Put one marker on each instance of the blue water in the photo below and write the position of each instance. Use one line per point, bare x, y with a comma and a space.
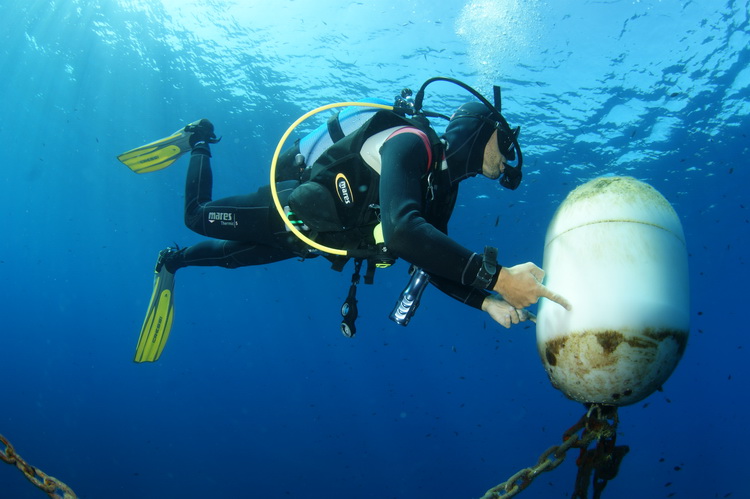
257, 393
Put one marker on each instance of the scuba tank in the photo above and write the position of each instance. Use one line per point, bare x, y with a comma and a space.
339, 125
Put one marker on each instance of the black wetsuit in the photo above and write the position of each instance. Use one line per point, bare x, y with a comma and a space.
249, 230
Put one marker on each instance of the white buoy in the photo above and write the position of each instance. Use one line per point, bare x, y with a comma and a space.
616, 250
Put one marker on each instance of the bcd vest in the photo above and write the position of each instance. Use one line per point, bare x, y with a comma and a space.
338, 197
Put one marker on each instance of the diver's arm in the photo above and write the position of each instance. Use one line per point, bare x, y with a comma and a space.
454, 269
465, 294
407, 234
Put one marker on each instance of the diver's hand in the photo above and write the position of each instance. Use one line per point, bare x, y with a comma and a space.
504, 313
521, 286
202, 131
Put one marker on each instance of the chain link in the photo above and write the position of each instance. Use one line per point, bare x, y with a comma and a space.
52, 486
594, 426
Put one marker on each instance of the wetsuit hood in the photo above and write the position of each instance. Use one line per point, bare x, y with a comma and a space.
466, 137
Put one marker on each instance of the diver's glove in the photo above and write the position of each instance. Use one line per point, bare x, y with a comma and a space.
201, 131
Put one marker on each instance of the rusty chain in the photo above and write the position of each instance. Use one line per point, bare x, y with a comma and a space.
52, 486
595, 425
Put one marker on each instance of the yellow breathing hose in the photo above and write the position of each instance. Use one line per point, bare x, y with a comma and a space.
274, 161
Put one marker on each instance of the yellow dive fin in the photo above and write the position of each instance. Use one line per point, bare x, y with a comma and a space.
158, 322
159, 154
163, 152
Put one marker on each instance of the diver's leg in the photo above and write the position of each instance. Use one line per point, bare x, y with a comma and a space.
248, 218
227, 254
249, 227
198, 184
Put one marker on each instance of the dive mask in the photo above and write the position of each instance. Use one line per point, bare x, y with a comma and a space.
507, 143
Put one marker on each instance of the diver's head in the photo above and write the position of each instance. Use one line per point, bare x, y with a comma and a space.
468, 147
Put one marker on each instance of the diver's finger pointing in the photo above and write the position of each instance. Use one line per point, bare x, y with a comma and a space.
549, 294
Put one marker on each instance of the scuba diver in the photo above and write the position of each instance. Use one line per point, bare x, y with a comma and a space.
371, 184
